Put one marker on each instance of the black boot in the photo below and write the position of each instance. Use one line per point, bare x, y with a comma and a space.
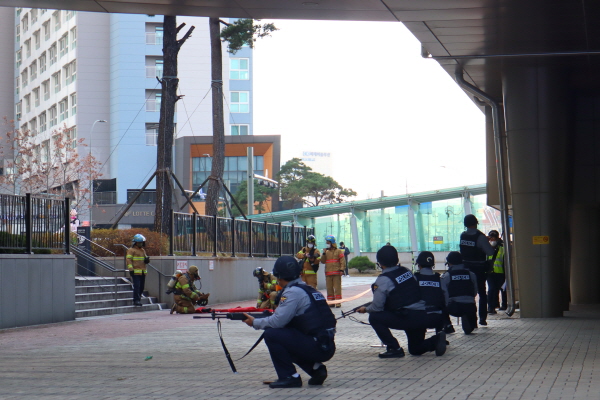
392, 353
289, 382
318, 376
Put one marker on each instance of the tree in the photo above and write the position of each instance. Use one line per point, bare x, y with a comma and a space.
236, 34
262, 194
300, 184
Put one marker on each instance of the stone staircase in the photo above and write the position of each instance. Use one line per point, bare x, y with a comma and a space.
95, 296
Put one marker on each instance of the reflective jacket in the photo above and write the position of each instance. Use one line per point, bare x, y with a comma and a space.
334, 261
431, 289
135, 260
406, 289
498, 259
310, 256
185, 288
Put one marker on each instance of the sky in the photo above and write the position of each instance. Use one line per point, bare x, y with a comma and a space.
392, 120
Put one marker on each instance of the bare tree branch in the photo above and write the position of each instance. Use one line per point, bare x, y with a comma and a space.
180, 27
181, 41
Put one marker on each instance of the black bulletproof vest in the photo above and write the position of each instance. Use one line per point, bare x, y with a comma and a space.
405, 292
431, 290
469, 249
460, 283
317, 318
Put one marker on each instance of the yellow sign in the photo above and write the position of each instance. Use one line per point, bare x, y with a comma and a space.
541, 239
438, 240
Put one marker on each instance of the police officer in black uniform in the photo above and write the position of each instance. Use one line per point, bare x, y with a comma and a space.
300, 331
397, 304
431, 290
475, 249
460, 287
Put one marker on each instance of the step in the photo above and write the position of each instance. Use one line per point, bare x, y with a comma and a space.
121, 287
119, 310
106, 303
97, 280
107, 295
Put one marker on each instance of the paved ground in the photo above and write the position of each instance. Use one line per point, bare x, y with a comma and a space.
104, 358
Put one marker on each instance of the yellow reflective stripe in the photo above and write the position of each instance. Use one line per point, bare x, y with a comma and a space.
194, 295
309, 272
129, 256
187, 285
138, 271
138, 258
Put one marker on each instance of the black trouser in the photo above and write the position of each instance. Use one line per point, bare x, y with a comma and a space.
138, 286
289, 346
413, 323
495, 282
464, 310
480, 272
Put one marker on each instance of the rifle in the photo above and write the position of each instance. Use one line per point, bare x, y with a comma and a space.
354, 310
236, 316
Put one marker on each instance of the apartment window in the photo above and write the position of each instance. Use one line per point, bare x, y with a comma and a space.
42, 62
19, 58
73, 38
56, 20
53, 119
27, 103
69, 15
33, 126
24, 127
24, 77
25, 23
34, 15
43, 10
72, 137
17, 84
18, 110
63, 109
28, 48
36, 39
46, 28
56, 82
46, 89
33, 70
42, 120
73, 104
70, 72
63, 45
236, 169
19, 10
238, 69
36, 96
240, 130
151, 134
53, 53
18, 29
153, 101
45, 154
239, 102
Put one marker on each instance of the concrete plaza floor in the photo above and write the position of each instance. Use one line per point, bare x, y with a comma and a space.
105, 358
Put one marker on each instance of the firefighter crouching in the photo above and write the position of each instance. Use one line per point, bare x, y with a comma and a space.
186, 294
267, 289
310, 258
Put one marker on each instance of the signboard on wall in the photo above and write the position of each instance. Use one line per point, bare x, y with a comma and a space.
438, 240
181, 265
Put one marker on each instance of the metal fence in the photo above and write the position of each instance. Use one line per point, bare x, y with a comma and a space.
202, 235
30, 223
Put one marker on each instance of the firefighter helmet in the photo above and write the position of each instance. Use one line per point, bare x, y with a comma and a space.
258, 272
311, 239
193, 270
138, 238
330, 238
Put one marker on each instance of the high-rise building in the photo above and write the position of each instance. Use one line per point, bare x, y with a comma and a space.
96, 74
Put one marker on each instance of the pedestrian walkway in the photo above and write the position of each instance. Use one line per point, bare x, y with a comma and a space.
109, 358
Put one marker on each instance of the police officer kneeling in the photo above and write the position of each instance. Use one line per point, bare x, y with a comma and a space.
300, 331
397, 304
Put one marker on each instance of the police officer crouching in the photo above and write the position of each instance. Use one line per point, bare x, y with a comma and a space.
300, 331
431, 289
460, 288
397, 304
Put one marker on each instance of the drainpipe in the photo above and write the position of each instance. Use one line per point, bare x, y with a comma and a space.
498, 144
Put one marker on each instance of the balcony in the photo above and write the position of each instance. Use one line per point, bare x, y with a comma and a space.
152, 72
152, 105
152, 38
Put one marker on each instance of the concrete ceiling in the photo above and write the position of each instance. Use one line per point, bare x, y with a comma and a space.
455, 28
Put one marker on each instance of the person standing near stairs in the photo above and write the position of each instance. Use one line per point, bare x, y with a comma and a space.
136, 264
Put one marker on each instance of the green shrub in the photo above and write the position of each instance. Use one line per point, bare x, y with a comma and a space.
361, 263
18, 241
156, 243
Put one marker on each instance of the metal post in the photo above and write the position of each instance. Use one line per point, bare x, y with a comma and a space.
215, 232
67, 231
280, 234
233, 236
250, 186
250, 238
28, 223
195, 229
305, 234
266, 241
172, 233
293, 240
116, 288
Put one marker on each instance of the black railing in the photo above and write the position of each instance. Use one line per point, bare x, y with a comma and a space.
218, 236
28, 223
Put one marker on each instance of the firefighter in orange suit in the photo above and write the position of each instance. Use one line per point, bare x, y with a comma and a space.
268, 289
335, 264
311, 257
136, 264
186, 295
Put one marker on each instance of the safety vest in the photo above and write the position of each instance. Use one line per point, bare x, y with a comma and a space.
498, 258
406, 289
431, 290
460, 283
318, 318
472, 255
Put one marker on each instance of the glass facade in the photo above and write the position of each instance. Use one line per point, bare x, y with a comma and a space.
442, 220
235, 170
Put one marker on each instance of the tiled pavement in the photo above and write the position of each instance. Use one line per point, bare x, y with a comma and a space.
104, 358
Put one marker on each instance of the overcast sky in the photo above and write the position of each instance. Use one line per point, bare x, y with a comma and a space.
361, 91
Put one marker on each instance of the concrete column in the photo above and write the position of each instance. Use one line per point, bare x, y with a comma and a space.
355, 237
536, 127
413, 227
585, 274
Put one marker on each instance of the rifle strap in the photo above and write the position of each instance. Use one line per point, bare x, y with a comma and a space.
227, 355
253, 346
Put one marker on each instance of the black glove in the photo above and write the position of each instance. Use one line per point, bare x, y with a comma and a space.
146, 260
131, 274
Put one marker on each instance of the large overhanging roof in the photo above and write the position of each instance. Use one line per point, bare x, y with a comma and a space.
371, 204
494, 31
